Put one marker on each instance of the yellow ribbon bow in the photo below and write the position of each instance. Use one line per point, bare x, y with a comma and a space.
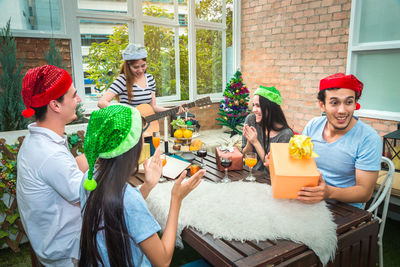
301, 147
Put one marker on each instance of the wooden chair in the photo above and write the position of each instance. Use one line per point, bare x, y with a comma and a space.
382, 196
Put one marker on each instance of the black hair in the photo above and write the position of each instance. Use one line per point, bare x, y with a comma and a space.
104, 211
322, 94
40, 112
272, 117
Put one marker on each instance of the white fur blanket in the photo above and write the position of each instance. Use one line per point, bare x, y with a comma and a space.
247, 211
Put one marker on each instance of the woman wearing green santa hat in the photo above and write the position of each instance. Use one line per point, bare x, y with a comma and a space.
117, 228
267, 124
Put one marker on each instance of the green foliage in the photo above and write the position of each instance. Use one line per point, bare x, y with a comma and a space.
75, 139
159, 42
53, 56
8, 182
234, 108
105, 59
11, 104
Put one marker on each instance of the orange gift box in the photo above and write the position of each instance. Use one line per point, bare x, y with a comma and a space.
237, 159
289, 175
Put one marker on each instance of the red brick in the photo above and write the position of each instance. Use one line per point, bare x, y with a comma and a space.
334, 9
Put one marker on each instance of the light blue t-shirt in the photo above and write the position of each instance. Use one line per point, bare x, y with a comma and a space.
139, 222
360, 148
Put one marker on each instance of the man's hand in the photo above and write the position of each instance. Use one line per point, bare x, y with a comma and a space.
152, 171
250, 133
311, 195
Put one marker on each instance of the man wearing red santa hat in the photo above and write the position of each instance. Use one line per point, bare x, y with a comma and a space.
349, 150
49, 176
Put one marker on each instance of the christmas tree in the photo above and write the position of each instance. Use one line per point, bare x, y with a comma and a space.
11, 75
234, 108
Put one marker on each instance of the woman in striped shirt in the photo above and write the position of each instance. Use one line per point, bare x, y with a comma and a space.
133, 86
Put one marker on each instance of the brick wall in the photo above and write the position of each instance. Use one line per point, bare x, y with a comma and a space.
292, 44
206, 116
32, 50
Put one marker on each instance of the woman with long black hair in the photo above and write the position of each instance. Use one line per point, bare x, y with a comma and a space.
267, 124
118, 229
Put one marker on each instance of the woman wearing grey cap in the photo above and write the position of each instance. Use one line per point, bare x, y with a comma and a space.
133, 86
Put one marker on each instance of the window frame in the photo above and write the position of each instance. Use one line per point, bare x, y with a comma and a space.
134, 18
355, 48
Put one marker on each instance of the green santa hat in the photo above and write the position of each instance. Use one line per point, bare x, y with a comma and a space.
270, 93
111, 132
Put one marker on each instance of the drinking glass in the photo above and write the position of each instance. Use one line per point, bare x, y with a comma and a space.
202, 153
163, 158
193, 169
226, 162
250, 159
156, 139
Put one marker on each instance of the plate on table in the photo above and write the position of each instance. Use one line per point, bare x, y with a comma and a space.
189, 156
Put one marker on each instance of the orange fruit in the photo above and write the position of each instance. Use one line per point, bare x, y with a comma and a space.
178, 133
187, 133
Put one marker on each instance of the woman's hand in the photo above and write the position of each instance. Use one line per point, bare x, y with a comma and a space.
250, 133
266, 160
152, 171
182, 109
182, 189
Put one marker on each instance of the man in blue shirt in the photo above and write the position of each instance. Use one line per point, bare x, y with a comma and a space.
349, 150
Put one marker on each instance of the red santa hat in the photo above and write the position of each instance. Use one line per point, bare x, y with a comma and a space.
341, 80
41, 85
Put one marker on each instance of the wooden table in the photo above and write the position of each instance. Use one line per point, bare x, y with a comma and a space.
357, 236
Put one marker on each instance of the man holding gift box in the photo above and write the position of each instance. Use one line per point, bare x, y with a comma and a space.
349, 150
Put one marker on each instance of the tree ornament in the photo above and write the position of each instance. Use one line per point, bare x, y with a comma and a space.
237, 91
241, 101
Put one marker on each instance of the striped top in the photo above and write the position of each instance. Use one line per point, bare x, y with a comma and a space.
141, 95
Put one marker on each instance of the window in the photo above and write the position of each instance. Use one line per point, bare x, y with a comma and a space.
374, 56
191, 49
42, 16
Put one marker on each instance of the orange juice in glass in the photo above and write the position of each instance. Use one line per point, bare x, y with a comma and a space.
250, 159
163, 159
156, 139
193, 169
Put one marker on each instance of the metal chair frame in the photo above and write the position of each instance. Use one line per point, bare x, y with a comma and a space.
382, 195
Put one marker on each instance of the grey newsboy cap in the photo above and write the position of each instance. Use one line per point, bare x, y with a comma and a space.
134, 52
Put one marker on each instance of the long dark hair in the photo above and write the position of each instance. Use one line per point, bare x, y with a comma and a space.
104, 211
271, 118
129, 76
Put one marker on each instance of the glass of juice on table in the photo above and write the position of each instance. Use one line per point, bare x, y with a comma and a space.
250, 159
163, 158
156, 139
226, 162
194, 168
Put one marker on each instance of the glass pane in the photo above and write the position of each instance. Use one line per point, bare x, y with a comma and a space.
229, 42
184, 63
38, 15
209, 10
380, 74
102, 44
159, 42
380, 21
183, 12
208, 61
104, 5
158, 8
